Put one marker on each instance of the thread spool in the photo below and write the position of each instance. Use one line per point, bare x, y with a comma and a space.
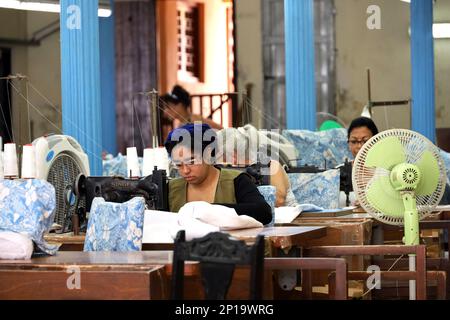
28, 162
155, 157
10, 168
133, 170
41, 149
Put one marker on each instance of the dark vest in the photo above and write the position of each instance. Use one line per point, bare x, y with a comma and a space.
224, 192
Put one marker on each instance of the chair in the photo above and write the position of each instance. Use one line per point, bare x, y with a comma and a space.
337, 264
218, 255
420, 275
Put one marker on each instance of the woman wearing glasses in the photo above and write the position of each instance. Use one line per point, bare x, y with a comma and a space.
359, 132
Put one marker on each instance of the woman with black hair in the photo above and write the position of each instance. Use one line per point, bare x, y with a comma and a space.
192, 149
177, 106
359, 132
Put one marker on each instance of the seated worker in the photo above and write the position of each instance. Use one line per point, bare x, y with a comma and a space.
359, 132
192, 149
235, 148
177, 106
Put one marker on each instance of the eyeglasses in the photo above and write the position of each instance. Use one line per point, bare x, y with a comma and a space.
356, 142
187, 162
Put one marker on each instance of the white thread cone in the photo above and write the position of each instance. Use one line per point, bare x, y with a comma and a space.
28, 162
41, 149
10, 167
155, 157
133, 170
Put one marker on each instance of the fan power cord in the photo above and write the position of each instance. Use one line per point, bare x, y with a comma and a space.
390, 268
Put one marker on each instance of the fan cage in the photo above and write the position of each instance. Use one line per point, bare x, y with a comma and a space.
414, 145
64, 169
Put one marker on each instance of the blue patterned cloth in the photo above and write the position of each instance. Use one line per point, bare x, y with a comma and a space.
28, 207
318, 148
269, 194
446, 157
320, 189
117, 166
115, 226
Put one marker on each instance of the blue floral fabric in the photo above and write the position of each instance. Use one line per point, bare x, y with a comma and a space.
320, 148
446, 157
320, 189
117, 166
115, 226
269, 194
28, 207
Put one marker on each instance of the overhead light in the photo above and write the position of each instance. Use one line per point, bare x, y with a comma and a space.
441, 30
42, 6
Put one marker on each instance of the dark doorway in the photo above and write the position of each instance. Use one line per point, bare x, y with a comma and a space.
5, 102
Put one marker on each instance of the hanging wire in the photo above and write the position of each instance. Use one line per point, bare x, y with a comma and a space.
10, 107
6, 125
133, 114
378, 281
88, 137
54, 125
28, 112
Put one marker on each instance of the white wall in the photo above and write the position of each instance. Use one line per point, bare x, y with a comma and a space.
387, 53
44, 71
442, 67
13, 25
249, 53
42, 66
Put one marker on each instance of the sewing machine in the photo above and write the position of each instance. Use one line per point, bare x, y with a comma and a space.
259, 177
153, 188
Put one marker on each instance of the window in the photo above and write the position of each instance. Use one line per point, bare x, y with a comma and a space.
188, 30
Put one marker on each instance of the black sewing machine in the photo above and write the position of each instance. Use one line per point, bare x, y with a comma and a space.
153, 188
259, 177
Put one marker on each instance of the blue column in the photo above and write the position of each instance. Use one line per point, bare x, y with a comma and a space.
80, 77
108, 82
422, 65
300, 80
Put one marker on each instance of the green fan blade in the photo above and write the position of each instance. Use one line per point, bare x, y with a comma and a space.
386, 153
382, 196
429, 168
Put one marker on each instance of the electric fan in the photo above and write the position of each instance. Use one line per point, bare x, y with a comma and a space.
59, 160
399, 178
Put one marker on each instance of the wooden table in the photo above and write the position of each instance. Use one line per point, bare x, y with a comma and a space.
88, 275
109, 275
280, 237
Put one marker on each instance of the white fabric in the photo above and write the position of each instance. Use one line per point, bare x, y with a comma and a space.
15, 246
288, 214
197, 218
220, 216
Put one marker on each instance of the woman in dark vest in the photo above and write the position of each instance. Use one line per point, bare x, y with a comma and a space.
192, 149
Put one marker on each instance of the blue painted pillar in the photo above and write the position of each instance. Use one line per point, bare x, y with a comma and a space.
422, 65
80, 77
108, 82
300, 80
